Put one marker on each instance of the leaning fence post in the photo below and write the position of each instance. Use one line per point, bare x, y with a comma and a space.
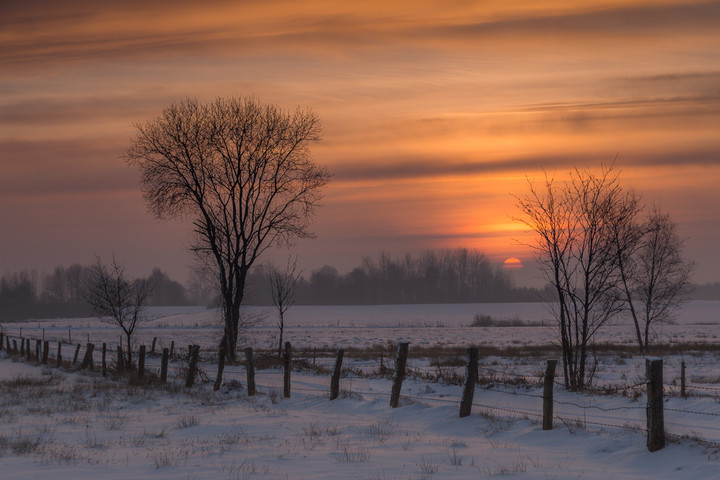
682, 380
655, 415
87, 359
548, 395
335, 379
287, 360
45, 351
221, 367
77, 352
399, 373
152, 349
172, 349
141, 361
164, 365
250, 369
471, 373
192, 365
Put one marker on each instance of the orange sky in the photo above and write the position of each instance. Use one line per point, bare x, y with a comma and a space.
434, 113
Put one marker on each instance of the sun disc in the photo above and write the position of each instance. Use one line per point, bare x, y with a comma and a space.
512, 263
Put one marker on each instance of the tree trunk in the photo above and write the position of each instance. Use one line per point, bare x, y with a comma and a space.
282, 324
129, 352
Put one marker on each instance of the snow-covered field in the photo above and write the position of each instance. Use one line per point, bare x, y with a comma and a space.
63, 424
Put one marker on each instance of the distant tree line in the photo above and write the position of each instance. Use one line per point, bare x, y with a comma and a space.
435, 276
27, 295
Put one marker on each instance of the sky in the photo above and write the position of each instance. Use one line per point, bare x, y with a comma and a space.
435, 116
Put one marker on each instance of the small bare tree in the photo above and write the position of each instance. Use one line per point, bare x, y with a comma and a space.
117, 300
282, 288
658, 275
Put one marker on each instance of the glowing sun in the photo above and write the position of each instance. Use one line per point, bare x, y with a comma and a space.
512, 263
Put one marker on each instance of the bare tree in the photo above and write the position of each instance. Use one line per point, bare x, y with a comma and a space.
282, 288
658, 275
242, 171
576, 224
116, 299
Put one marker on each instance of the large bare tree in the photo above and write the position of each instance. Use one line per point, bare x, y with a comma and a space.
242, 171
576, 222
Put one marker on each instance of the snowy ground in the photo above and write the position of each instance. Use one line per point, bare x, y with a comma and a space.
62, 424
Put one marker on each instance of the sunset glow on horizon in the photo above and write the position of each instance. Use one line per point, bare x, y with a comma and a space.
435, 116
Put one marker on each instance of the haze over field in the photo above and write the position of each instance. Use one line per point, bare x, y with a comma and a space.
434, 113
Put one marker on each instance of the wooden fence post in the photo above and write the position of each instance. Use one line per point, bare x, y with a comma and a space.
250, 369
104, 359
22, 346
655, 415
87, 359
141, 362
2, 339
548, 395
682, 380
28, 355
399, 373
192, 365
287, 360
471, 373
152, 349
77, 352
120, 359
45, 351
164, 365
59, 354
221, 367
172, 349
335, 379
15, 350
37, 349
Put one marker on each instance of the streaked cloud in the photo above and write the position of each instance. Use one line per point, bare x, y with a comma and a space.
433, 112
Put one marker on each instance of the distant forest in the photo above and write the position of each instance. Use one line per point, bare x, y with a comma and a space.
61, 294
436, 276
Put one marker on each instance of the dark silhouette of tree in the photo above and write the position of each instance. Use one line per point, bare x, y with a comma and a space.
118, 300
242, 171
658, 277
577, 222
282, 290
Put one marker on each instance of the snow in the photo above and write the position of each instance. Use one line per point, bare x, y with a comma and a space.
66, 424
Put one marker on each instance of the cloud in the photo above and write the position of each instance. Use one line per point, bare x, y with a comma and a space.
398, 169
76, 31
36, 169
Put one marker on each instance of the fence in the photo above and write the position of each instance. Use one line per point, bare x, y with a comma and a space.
544, 411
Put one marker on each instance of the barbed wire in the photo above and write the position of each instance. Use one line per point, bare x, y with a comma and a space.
518, 411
